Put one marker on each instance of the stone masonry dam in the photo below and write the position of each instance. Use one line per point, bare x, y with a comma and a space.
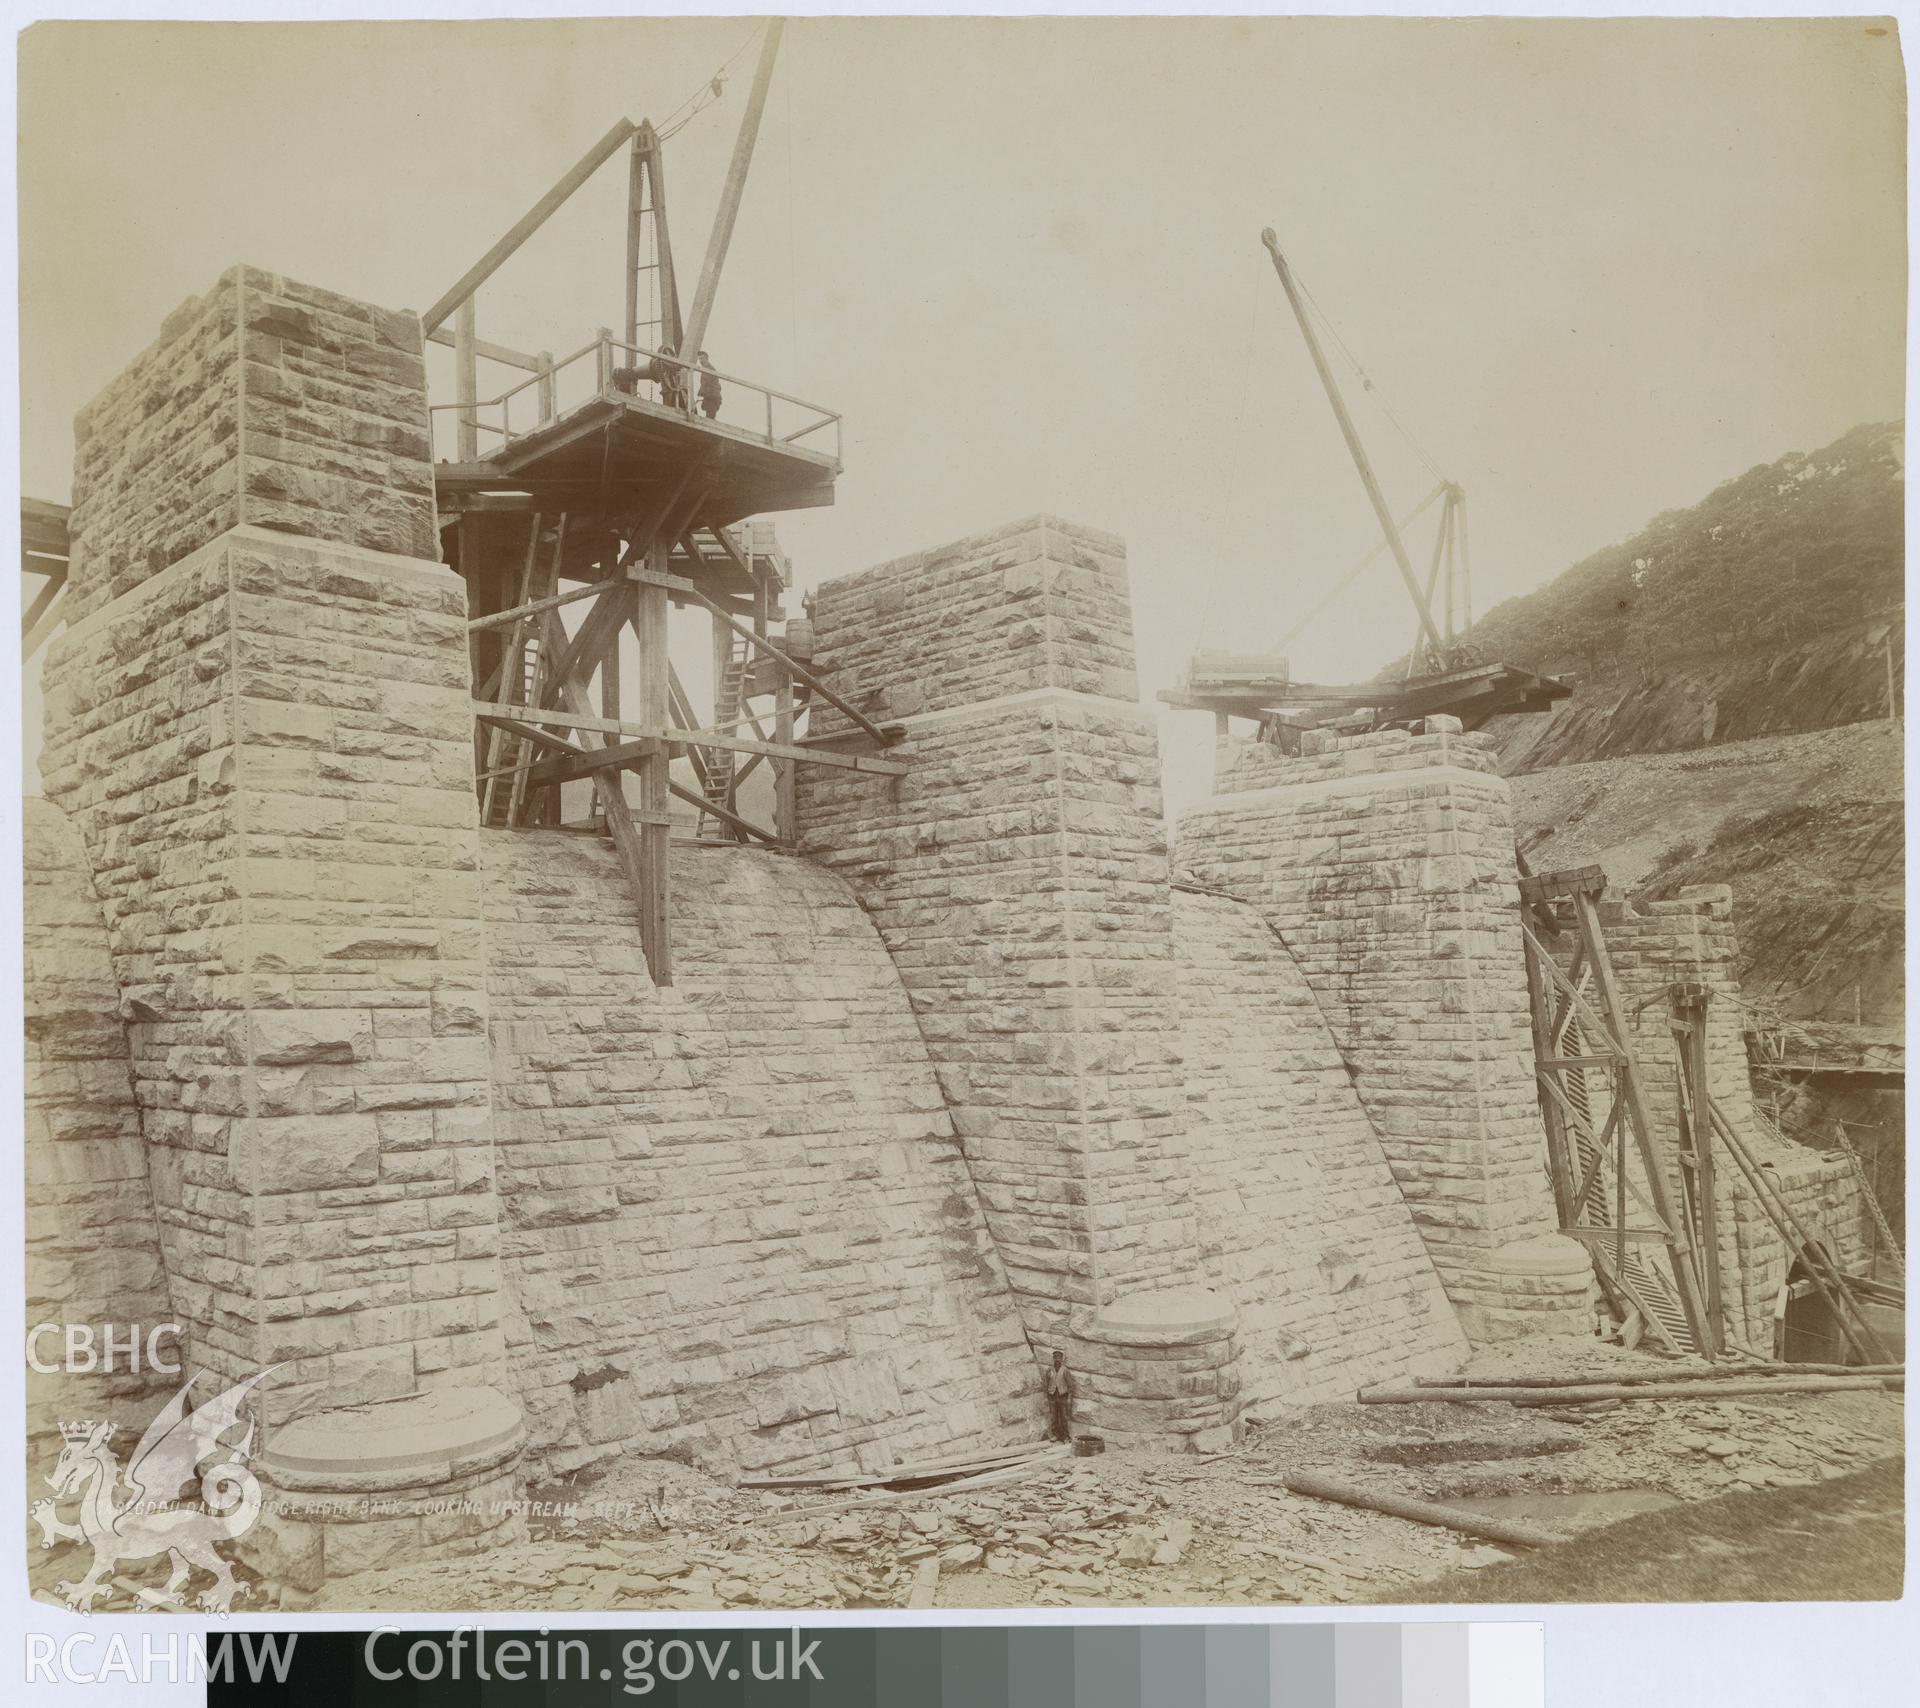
386, 1104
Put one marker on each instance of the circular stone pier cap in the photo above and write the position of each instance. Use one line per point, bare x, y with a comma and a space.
1543, 1254
1162, 1316
406, 1440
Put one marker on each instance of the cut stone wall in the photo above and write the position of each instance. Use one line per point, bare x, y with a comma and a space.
1302, 1225
737, 1220
1188, 1196
1037, 604
266, 402
1385, 863
1019, 877
93, 1249
136, 713
858, 1289
265, 745
266, 750
398, 1110
1030, 922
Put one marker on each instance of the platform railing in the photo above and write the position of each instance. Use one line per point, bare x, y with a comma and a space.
608, 368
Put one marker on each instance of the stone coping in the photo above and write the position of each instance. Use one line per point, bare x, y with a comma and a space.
977, 544
1349, 783
402, 1442
419, 570
1540, 1254
1161, 1316
913, 721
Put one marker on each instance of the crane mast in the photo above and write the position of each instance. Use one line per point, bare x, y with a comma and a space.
1439, 678
1435, 643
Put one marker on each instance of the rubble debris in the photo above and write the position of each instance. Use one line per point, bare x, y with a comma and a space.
985, 1479
1075, 1532
925, 1581
954, 1466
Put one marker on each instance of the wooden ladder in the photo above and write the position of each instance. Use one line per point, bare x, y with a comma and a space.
1649, 1290
520, 683
718, 774
1889, 1244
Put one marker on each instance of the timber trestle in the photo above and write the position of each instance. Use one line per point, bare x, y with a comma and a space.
1651, 1218
594, 496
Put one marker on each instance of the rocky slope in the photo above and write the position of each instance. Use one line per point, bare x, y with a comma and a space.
1772, 605
1806, 828
1670, 704
1735, 666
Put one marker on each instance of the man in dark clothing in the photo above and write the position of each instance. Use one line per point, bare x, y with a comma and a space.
1059, 1387
672, 381
709, 387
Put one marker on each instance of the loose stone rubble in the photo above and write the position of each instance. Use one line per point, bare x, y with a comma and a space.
1142, 1529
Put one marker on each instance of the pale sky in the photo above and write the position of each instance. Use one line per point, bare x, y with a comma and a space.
1596, 268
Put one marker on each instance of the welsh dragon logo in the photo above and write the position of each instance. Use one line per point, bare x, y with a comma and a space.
153, 1518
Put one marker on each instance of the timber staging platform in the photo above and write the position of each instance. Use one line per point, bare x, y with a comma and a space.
1262, 689
620, 444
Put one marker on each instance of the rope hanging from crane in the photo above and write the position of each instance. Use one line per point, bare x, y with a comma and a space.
1441, 677
709, 92
1431, 648
1347, 580
1366, 381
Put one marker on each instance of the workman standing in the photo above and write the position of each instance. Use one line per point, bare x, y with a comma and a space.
1059, 1386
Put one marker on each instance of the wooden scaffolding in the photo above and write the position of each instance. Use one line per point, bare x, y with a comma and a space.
1650, 1214
592, 496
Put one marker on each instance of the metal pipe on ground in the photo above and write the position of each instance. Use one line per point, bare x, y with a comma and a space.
1623, 1391
1422, 1511
1638, 1378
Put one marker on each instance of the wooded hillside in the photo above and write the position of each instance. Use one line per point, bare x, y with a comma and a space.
1808, 543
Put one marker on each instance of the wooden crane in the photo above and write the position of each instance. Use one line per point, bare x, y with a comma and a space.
637, 493
1438, 647
1439, 676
